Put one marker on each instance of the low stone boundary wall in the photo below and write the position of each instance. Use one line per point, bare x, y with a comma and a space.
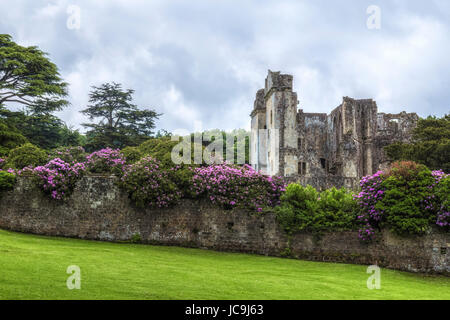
99, 210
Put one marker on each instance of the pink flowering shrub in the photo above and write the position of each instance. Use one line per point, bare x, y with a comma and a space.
235, 186
148, 184
441, 189
58, 178
407, 200
369, 217
105, 161
69, 154
2, 163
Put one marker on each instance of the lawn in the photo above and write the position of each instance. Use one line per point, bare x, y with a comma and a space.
34, 267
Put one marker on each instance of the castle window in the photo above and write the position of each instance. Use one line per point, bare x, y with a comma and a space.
323, 162
299, 143
301, 168
271, 117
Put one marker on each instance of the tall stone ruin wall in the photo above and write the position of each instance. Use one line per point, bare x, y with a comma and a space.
319, 148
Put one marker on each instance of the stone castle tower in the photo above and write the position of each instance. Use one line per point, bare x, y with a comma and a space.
320, 149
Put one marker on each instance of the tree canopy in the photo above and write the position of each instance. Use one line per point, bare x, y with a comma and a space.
430, 146
29, 78
118, 122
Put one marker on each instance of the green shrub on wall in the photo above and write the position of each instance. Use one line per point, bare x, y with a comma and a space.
305, 209
402, 204
131, 154
69, 154
7, 181
408, 199
26, 155
149, 185
442, 192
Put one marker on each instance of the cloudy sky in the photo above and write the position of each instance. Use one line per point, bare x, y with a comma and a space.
200, 62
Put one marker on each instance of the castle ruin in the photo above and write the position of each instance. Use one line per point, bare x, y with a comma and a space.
320, 149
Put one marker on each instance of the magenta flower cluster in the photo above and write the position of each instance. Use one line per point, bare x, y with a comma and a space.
235, 186
70, 154
57, 178
105, 160
149, 185
443, 214
369, 217
3, 163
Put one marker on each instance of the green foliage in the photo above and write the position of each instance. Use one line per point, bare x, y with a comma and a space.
406, 187
7, 180
239, 139
305, 209
183, 175
69, 154
442, 193
147, 184
43, 130
431, 144
10, 138
119, 122
136, 238
337, 210
161, 149
29, 78
132, 154
26, 155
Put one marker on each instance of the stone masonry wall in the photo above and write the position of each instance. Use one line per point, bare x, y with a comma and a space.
98, 210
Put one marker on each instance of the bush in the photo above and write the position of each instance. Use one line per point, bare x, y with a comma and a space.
298, 206
105, 161
2, 163
162, 148
407, 200
58, 178
404, 203
69, 154
370, 216
148, 184
235, 186
305, 209
10, 138
7, 181
442, 192
183, 176
131, 154
25, 156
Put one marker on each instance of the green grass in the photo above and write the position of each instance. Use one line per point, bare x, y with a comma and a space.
34, 267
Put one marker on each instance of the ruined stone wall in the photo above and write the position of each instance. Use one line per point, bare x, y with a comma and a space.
98, 210
258, 142
319, 149
392, 128
314, 141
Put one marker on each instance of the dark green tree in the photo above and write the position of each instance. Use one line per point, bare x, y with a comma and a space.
119, 122
29, 78
430, 145
10, 138
43, 130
